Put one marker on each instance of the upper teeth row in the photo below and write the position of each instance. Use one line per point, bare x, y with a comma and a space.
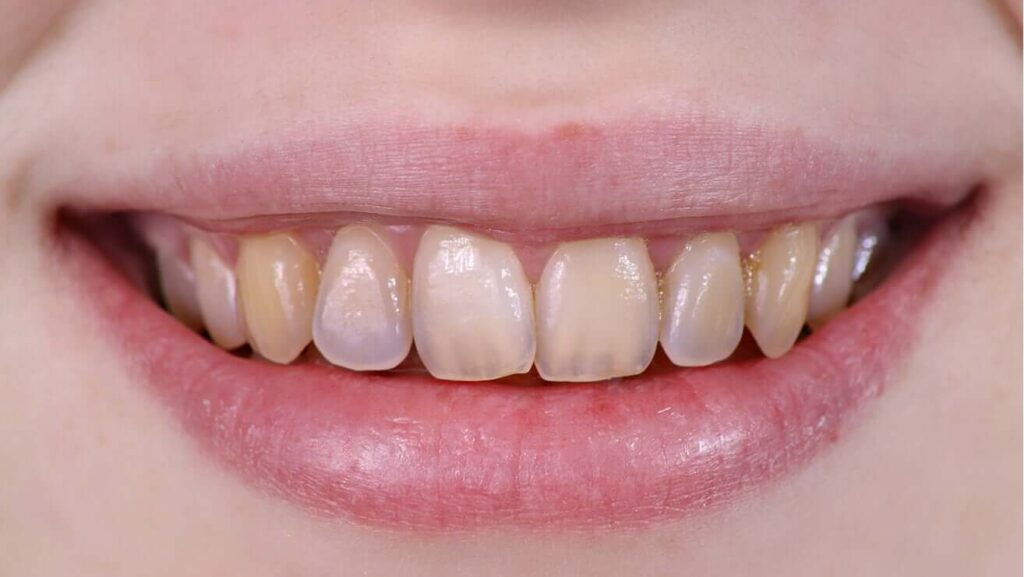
598, 311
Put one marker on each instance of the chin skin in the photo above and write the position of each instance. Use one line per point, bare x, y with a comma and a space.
98, 479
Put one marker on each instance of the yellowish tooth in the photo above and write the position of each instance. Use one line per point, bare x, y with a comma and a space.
362, 319
779, 276
702, 319
178, 285
472, 307
217, 293
833, 273
277, 281
597, 311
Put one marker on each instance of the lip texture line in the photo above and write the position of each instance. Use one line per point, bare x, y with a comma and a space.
410, 452
688, 173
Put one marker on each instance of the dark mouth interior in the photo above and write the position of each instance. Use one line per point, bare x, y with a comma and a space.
116, 238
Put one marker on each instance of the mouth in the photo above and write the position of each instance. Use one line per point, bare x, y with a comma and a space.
449, 329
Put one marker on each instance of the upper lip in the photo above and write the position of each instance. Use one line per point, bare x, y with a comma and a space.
647, 177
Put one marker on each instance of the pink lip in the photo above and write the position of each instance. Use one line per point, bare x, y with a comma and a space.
647, 177
408, 452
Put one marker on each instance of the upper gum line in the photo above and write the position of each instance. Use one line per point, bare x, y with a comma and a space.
402, 242
404, 239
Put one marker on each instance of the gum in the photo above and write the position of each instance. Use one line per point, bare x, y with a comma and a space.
164, 232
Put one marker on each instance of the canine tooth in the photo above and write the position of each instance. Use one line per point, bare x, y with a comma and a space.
597, 311
178, 285
472, 307
217, 293
277, 282
779, 276
362, 309
833, 273
702, 320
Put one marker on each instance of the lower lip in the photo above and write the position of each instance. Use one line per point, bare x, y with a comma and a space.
414, 453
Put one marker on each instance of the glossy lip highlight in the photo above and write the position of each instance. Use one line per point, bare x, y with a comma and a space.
414, 453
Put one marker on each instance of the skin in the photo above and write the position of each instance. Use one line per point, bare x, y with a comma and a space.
95, 477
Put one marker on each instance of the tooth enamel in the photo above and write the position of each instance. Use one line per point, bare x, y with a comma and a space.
178, 285
362, 310
472, 307
217, 294
872, 236
597, 311
277, 282
779, 276
833, 273
703, 304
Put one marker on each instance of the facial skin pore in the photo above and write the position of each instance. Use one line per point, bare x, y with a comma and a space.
96, 477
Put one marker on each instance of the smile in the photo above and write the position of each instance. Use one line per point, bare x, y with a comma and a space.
447, 329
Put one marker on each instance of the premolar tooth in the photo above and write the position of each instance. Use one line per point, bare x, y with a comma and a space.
178, 285
597, 311
779, 276
833, 273
472, 307
277, 281
872, 235
702, 320
362, 310
217, 293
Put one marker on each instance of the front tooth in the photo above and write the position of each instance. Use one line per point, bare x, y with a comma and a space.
178, 285
362, 310
779, 276
277, 281
597, 311
217, 293
472, 307
833, 273
703, 302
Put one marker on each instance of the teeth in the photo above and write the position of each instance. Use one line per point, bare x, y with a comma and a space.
872, 237
833, 274
178, 285
277, 280
472, 307
779, 276
703, 302
597, 311
362, 310
217, 295
595, 314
